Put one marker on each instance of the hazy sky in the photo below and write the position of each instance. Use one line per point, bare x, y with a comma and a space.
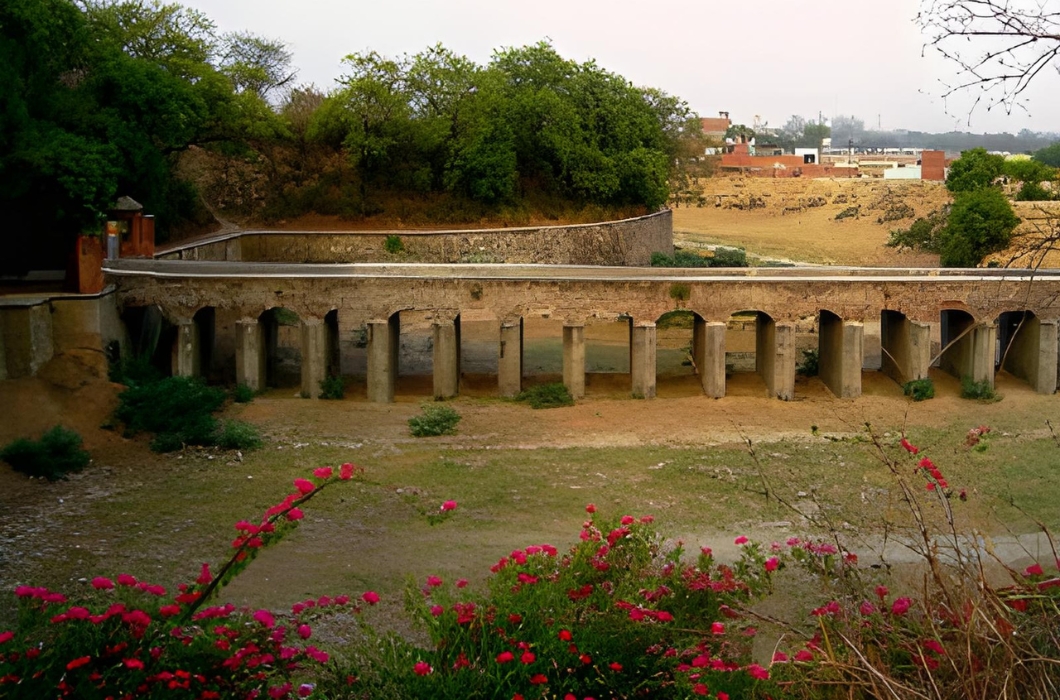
771, 58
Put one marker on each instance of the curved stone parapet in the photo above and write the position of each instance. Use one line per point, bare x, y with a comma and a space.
629, 242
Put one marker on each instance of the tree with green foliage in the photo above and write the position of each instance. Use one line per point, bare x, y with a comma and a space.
974, 170
1050, 155
981, 222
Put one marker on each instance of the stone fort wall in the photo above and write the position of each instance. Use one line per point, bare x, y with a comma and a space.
629, 242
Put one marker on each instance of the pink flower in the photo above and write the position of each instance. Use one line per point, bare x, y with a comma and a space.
305, 631
538, 679
505, 656
627, 519
265, 618
304, 486
772, 563
867, 608
590, 509
371, 597
723, 695
909, 447
758, 672
461, 583
528, 657
6, 637
305, 690
346, 471
742, 539
881, 592
295, 514
434, 581
717, 628
323, 472
448, 505
804, 655
422, 668
169, 610
101, 583
134, 664
699, 689
1033, 570
437, 610
126, 580
780, 657
901, 606
205, 577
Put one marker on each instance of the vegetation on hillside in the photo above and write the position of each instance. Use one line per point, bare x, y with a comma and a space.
101, 98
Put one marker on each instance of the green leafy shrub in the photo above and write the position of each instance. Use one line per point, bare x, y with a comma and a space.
332, 388
238, 435
978, 391
242, 393
547, 396
56, 454
919, 389
393, 244
1033, 192
811, 363
437, 419
720, 257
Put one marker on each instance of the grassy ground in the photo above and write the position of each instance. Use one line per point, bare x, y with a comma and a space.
520, 477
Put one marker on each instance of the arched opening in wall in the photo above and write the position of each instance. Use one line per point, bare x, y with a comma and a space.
282, 345
205, 323
150, 337
542, 350
415, 358
956, 353
333, 356
905, 349
607, 356
742, 373
832, 363
676, 373
479, 341
1018, 353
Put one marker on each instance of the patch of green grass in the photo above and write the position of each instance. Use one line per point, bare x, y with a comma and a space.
333, 388
238, 435
919, 389
243, 394
547, 396
978, 391
57, 453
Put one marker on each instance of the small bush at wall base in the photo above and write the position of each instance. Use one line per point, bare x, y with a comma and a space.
56, 454
919, 389
811, 363
242, 394
547, 396
979, 391
332, 388
393, 245
437, 419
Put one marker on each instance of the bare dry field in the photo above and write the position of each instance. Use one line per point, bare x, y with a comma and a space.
795, 219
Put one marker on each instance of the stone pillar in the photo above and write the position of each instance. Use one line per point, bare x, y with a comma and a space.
510, 359
574, 360
383, 340
250, 353
775, 356
1031, 354
708, 339
27, 339
186, 352
642, 360
984, 353
906, 347
314, 356
840, 353
973, 354
446, 358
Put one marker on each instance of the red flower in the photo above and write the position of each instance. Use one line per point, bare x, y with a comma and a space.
909, 447
515, 618
371, 597
804, 655
461, 583
627, 519
758, 672
615, 666
6, 637
126, 580
663, 616
295, 514
434, 581
101, 583
346, 471
422, 668
1033, 570
742, 539
590, 509
528, 657
134, 664
901, 606
265, 618
717, 628
448, 505
437, 610
564, 635
169, 610
699, 689
304, 486
772, 563
204, 577
881, 592
538, 679
78, 663
505, 656
323, 472
586, 659
779, 657
723, 695
305, 631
